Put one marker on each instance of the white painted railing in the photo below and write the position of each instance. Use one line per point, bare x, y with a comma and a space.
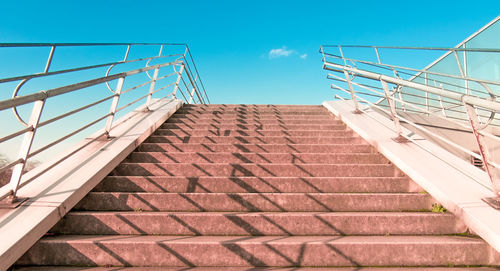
182, 80
468, 102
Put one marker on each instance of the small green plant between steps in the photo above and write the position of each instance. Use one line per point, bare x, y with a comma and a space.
438, 208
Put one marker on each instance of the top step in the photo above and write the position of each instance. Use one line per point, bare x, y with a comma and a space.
254, 112
250, 106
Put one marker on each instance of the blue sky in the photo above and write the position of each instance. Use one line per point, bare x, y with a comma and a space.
231, 40
262, 52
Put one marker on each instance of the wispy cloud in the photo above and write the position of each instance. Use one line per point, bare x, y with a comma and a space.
280, 52
304, 56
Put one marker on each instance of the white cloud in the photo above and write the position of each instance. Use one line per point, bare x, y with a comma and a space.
304, 56
280, 52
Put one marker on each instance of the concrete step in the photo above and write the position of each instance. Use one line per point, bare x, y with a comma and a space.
318, 251
255, 140
413, 268
258, 108
256, 113
255, 202
256, 184
258, 223
258, 170
252, 117
255, 148
251, 106
287, 133
253, 121
236, 157
296, 109
272, 127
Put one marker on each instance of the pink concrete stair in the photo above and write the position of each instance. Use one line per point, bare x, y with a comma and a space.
238, 187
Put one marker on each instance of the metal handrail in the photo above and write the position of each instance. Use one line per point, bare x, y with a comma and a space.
461, 107
184, 60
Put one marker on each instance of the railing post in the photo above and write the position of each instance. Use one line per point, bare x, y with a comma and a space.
392, 107
179, 76
493, 172
353, 95
24, 151
114, 104
152, 87
191, 95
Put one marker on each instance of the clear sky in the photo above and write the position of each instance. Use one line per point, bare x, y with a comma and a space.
232, 40
246, 51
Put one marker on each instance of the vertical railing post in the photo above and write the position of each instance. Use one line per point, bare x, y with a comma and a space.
353, 95
151, 88
493, 172
49, 59
17, 171
114, 104
394, 116
427, 105
179, 77
191, 95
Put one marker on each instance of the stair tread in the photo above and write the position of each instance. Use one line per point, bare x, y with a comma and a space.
309, 239
235, 268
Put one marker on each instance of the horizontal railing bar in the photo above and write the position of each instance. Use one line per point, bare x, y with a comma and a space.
142, 97
489, 50
434, 90
41, 124
9, 165
182, 93
136, 87
83, 44
423, 110
194, 83
345, 81
38, 75
420, 128
54, 164
67, 136
131, 103
198, 74
18, 133
383, 96
16, 101
389, 67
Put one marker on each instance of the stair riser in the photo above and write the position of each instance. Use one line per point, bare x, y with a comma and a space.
260, 133
164, 253
246, 117
253, 121
256, 224
256, 140
254, 148
258, 170
270, 127
215, 202
255, 185
65, 268
251, 106
255, 112
279, 158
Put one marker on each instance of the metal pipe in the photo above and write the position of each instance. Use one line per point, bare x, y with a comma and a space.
17, 171
49, 60
114, 104
17, 101
445, 93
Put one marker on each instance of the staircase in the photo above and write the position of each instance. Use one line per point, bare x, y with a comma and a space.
256, 185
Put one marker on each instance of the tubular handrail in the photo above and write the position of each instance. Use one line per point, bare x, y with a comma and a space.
38, 99
460, 105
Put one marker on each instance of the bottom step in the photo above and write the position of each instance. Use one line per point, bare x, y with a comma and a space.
267, 251
253, 269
